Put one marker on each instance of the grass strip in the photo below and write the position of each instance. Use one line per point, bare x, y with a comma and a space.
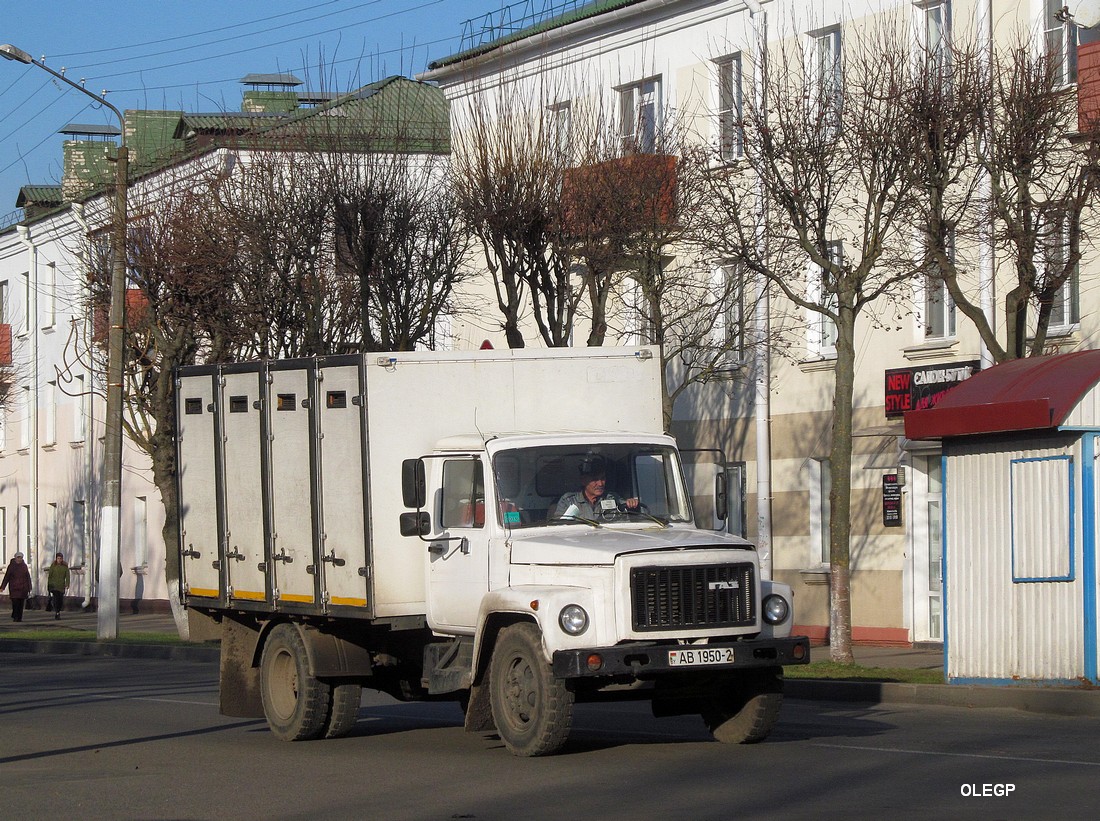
854, 672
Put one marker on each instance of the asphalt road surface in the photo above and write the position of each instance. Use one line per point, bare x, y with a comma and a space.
98, 737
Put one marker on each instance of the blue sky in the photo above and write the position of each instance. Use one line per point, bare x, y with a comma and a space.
168, 54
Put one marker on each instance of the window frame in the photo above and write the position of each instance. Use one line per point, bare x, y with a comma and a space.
634, 99
730, 105
821, 329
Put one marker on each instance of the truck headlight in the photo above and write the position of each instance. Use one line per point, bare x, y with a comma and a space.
776, 609
573, 619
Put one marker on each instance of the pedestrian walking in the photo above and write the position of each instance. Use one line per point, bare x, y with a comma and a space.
57, 582
17, 578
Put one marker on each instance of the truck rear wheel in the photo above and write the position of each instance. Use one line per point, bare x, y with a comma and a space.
296, 704
532, 710
745, 711
345, 710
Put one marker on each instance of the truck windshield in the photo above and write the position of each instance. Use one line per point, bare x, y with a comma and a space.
598, 484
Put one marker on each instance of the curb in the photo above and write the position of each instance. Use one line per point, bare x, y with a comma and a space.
1063, 701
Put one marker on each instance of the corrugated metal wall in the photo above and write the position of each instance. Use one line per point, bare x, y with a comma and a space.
1004, 499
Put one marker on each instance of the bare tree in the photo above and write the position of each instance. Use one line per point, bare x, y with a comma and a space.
828, 152
1002, 162
510, 163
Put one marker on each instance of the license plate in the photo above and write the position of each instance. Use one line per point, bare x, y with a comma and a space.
700, 656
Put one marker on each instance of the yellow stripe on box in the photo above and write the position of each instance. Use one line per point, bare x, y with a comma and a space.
295, 597
203, 592
250, 595
349, 602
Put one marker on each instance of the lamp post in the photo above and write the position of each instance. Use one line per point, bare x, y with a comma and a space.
109, 518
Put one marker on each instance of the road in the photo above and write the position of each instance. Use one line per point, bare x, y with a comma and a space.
97, 737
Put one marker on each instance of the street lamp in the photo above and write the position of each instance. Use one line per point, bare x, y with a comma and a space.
110, 518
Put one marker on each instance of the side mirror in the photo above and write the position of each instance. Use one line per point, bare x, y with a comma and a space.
721, 497
416, 524
413, 485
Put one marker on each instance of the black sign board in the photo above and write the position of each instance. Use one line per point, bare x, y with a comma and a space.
919, 388
891, 500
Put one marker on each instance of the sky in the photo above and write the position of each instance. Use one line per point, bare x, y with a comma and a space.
192, 54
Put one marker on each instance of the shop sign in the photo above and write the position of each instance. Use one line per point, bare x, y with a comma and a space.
920, 388
891, 500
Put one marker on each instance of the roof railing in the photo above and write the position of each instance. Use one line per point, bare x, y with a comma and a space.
507, 20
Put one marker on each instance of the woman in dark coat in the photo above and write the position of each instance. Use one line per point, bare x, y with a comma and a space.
18, 581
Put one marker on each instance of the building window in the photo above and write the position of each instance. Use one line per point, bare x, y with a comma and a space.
50, 528
640, 116
50, 285
26, 428
80, 409
3, 535
560, 122
822, 291
731, 141
828, 80
1061, 41
78, 557
141, 528
4, 301
939, 307
23, 543
1065, 309
820, 486
50, 422
729, 325
25, 284
936, 34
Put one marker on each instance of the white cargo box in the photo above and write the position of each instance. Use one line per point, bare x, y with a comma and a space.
290, 471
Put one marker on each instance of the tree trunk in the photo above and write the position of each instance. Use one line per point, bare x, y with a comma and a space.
840, 495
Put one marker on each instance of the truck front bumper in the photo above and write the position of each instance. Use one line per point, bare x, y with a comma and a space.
649, 659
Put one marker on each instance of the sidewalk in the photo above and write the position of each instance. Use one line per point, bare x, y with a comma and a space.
1051, 700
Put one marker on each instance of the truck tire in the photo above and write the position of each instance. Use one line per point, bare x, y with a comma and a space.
532, 710
345, 710
295, 703
746, 711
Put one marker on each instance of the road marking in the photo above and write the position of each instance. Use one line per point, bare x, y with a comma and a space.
960, 755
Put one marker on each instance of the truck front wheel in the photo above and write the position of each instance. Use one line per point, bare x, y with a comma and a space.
296, 704
532, 710
745, 711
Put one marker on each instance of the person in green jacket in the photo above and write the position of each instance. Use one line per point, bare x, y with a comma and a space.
57, 582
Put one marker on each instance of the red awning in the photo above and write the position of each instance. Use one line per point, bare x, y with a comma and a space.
1023, 394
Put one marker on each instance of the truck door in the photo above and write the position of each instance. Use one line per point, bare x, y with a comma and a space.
198, 486
242, 484
343, 457
458, 567
292, 555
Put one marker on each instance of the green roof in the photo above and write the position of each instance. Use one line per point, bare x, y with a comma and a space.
593, 9
42, 195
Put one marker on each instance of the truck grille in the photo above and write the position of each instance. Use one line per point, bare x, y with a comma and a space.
679, 598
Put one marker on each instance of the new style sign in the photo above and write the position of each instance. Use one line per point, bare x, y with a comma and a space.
919, 388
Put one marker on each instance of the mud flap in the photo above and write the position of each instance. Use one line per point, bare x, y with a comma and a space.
239, 680
479, 712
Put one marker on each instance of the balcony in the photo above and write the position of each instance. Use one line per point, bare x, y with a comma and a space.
1088, 87
137, 304
630, 194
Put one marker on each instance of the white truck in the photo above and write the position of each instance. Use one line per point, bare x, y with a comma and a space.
393, 521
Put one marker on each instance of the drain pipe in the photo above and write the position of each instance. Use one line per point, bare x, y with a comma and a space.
33, 557
986, 295
762, 322
90, 574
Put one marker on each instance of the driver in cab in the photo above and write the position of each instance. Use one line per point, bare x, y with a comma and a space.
593, 500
